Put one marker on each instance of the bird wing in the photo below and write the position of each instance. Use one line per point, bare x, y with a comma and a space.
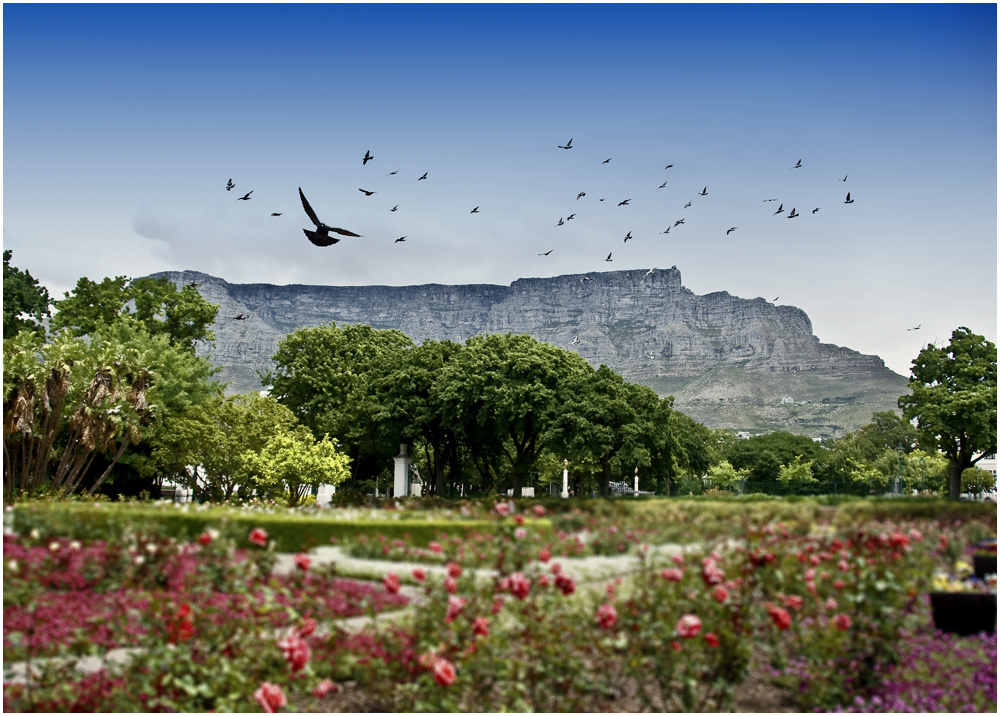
343, 232
309, 210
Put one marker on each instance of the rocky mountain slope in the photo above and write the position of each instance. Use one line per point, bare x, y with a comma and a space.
729, 362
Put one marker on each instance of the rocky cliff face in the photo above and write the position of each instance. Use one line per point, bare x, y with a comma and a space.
729, 362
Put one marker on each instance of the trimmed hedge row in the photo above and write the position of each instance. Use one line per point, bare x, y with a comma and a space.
290, 532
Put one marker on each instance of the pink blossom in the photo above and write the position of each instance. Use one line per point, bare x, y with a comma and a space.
720, 594
672, 574
677, 559
302, 561
481, 626
831, 604
391, 582
444, 672
565, 584
324, 687
307, 627
842, 622
810, 575
607, 616
543, 580
270, 697
419, 574
450, 585
711, 639
454, 570
435, 547
544, 555
259, 537
296, 651
455, 607
838, 584
539, 511
711, 573
555, 568
688, 626
502, 509
520, 533
794, 602
779, 616
520, 585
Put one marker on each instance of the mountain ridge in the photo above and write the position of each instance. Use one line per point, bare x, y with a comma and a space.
745, 364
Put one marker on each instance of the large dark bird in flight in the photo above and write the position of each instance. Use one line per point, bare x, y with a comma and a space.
546, 253
731, 230
366, 192
229, 185
275, 213
321, 236
622, 203
401, 238
781, 208
368, 158
246, 197
704, 192
582, 193
628, 236
423, 177
798, 165
606, 160
849, 200
569, 144
475, 211
609, 257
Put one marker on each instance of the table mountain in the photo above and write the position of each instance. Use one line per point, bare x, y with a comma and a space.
745, 364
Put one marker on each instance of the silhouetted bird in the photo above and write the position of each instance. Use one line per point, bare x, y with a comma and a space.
667, 231
275, 213
609, 257
423, 177
366, 192
767, 200
622, 203
915, 328
368, 158
678, 222
798, 164
781, 208
192, 284
662, 185
391, 173
569, 144
475, 211
401, 238
561, 222
321, 237
845, 178
704, 192
792, 215
246, 197
606, 160
668, 166
546, 253
241, 317
571, 216
816, 209
687, 205
394, 208
775, 299
731, 230
627, 237
229, 185
582, 193
849, 200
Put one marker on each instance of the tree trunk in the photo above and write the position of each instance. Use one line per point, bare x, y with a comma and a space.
605, 475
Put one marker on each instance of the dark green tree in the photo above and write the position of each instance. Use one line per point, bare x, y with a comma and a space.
954, 401
25, 301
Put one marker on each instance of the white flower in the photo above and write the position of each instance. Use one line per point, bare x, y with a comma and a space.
139, 559
53, 546
151, 548
35, 534
13, 566
75, 544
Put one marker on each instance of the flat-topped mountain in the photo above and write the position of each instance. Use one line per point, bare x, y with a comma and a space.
730, 362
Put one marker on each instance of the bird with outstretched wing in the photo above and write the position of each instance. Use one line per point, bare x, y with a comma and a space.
321, 236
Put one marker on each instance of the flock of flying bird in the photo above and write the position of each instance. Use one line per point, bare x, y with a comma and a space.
322, 234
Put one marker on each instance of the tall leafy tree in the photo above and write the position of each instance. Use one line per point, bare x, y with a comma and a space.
502, 392
953, 398
292, 463
25, 301
178, 313
328, 375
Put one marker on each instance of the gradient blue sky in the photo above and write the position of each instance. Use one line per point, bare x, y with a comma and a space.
122, 124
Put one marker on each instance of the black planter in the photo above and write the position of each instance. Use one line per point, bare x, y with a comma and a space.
964, 613
984, 565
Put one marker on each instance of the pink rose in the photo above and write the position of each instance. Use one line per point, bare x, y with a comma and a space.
677, 559
259, 538
555, 568
520, 533
323, 688
720, 594
296, 651
270, 697
711, 573
539, 511
794, 602
454, 570
391, 582
435, 547
450, 585
842, 622
544, 555
444, 672
502, 509
779, 616
711, 639
565, 584
831, 604
455, 607
607, 616
543, 580
688, 626
520, 585
302, 561
419, 574
481, 626
307, 627
672, 574
497, 605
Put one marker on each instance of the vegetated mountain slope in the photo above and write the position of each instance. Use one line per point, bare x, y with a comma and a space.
730, 362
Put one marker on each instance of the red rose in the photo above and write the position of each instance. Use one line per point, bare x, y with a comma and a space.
520, 585
302, 561
720, 594
323, 688
481, 626
794, 602
711, 639
391, 582
454, 570
444, 672
419, 574
544, 555
450, 585
779, 616
672, 574
270, 697
307, 627
688, 626
259, 538
607, 616
296, 651
842, 622
455, 607
205, 539
565, 584
435, 547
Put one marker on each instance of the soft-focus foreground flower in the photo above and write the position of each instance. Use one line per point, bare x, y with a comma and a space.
607, 616
711, 639
779, 616
565, 584
324, 687
296, 651
391, 582
502, 509
444, 672
303, 561
455, 607
419, 574
688, 626
270, 697
182, 627
454, 570
842, 622
258, 537
481, 626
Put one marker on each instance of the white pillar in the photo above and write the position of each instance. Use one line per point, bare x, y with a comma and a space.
635, 490
401, 476
565, 492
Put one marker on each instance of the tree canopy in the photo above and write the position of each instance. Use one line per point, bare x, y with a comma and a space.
25, 301
953, 398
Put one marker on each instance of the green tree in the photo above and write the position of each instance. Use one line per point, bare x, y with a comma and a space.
954, 401
328, 376
25, 301
502, 393
179, 314
796, 473
724, 475
292, 463
886, 431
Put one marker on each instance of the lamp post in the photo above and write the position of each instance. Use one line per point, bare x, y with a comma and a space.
635, 490
565, 492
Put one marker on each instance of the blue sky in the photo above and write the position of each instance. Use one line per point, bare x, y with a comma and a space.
123, 123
